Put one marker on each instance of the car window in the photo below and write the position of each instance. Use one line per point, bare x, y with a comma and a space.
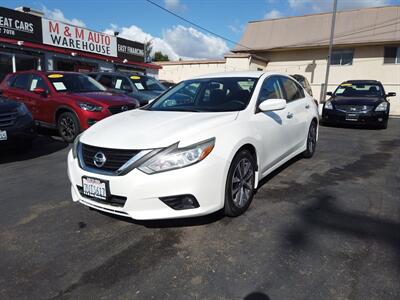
347, 89
38, 82
22, 81
207, 95
122, 83
271, 89
106, 80
291, 89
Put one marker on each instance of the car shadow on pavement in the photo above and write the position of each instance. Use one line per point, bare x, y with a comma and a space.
324, 213
42, 146
171, 223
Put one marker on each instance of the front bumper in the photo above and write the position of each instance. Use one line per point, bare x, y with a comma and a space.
204, 180
364, 118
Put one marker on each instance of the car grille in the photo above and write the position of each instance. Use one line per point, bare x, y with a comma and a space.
354, 108
112, 200
115, 158
121, 108
8, 119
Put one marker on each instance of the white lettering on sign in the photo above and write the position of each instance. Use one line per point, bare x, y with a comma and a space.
16, 24
69, 36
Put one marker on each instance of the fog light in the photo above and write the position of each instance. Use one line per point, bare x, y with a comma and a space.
380, 119
180, 202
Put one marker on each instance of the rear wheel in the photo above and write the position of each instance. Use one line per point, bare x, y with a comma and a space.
311, 140
68, 126
239, 189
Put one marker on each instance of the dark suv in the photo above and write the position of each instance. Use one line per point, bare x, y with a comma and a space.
17, 127
141, 87
68, 101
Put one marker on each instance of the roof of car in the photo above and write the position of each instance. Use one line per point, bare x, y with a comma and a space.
118, 73
367, 81
46, 72
251, 74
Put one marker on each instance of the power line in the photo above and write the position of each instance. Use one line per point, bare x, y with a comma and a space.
196, 25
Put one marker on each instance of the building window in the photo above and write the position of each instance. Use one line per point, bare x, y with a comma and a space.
392, 55
342, 57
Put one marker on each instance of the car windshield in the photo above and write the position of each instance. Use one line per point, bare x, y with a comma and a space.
144, 83
74, 83
359, 90
207, 95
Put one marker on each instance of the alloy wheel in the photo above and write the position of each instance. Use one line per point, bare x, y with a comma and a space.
312, 138
67, 127
242, 183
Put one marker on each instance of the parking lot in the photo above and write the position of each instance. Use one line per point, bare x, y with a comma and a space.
325, 228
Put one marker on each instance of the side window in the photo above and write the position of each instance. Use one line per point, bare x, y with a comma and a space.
22, 82
271, 89
292, 90
106, 80
38, 82
121, 83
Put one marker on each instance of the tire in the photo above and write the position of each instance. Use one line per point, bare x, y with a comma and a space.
311, 140
68, 126
239, 190
384, 125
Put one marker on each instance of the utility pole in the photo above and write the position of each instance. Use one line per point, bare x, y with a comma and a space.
330, 50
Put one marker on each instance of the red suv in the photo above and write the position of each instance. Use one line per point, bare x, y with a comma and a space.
70, 102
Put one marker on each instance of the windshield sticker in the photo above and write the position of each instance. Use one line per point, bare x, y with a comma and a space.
135, 77
33, 84
340, 90
139, 86
118, 83
55, 76
59, 86
346, 84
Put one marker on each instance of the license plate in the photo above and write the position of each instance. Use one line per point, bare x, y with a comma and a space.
351, 117
95, 188
3, 135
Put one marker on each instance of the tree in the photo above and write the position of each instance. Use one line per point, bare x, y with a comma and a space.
158, 56
148, 48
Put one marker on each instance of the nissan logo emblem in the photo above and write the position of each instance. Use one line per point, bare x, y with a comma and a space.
99, 159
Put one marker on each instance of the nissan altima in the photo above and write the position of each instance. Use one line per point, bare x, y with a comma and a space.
202, 146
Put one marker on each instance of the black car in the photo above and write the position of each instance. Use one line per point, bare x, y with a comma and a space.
17, 127
358, 102
141, 87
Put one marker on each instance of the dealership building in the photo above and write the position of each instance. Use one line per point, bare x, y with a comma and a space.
366, 46
30, 41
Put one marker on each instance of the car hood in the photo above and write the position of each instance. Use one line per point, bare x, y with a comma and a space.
105, 97
143, 129
356, 100
7, 105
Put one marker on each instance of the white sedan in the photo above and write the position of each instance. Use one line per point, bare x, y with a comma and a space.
202, 146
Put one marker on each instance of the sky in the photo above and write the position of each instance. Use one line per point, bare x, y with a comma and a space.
141, 21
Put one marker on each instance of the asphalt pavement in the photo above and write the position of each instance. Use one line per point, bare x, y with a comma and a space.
321, 228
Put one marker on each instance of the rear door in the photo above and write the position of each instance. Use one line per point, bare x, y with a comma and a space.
296, 113
18, 90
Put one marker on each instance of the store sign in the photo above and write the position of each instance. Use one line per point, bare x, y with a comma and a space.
63, 35
20, 26
130, 50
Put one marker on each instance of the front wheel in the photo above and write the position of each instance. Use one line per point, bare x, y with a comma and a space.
68, 126
311, 140
239, 190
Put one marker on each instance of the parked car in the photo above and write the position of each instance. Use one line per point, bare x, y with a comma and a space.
202, 146
70, 102
141, 87
167, 84
361, 102
17, 127
304, 82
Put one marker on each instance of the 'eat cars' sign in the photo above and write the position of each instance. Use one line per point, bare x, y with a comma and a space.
63, 35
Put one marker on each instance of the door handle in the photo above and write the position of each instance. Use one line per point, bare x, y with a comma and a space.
289, 115
307, 106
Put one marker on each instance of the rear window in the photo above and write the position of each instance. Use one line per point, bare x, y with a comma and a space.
21, 81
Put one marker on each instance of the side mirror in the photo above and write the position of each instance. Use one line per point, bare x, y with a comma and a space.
40, 91
329, 93
272, 104
391, 94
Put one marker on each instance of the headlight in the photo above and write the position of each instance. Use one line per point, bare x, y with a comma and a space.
174, 158
382, 107
75, 146
22, 110
89, 106
328, 105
